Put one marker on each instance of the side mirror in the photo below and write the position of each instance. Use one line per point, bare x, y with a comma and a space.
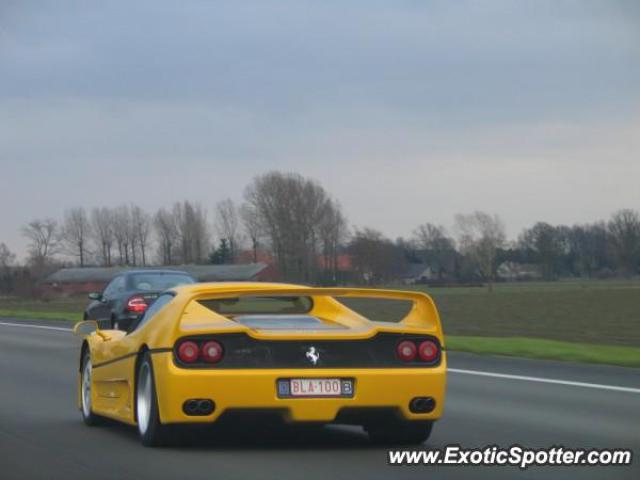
86, 327
95, 296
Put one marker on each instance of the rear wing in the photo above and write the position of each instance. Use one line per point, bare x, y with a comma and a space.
423, 313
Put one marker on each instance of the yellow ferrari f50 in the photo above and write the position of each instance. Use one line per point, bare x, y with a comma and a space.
206, 351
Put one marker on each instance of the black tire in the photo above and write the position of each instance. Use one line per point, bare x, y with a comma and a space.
115, 325
86, 389
399, 432
151, 431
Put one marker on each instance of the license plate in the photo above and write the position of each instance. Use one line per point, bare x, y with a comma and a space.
315, 387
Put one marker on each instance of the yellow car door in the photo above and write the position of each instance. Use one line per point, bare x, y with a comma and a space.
113, 359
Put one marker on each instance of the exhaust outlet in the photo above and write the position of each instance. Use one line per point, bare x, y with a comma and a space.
422, 405
205, 407
198, 407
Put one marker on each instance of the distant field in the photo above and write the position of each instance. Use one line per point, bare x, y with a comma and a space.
599, 312
603, 312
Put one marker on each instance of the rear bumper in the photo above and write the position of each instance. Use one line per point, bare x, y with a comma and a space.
389, 388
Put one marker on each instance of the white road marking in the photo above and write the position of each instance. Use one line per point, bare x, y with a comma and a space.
546, 380
42, 327
452, 370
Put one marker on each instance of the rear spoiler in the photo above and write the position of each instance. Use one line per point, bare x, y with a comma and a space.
423, 314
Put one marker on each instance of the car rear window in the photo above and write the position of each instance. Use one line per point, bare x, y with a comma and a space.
158, 281
285, 322
259, 305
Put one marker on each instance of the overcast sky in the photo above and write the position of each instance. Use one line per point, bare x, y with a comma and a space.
405, 111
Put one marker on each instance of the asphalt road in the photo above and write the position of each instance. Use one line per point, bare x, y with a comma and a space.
43, 437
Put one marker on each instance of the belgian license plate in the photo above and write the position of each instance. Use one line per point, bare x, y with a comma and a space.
315, 387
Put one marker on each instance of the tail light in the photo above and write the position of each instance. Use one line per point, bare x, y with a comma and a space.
407, 351
428, 351
136, 304
188, 352
211, 352
199, 352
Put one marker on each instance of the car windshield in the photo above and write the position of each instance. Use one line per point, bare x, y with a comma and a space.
158, 281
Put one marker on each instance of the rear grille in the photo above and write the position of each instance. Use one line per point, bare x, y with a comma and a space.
243, 351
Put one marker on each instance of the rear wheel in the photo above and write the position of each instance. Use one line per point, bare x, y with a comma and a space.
399, 432
151, 431
86, 387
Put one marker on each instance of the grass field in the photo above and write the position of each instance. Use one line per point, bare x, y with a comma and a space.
593, 321
596, 312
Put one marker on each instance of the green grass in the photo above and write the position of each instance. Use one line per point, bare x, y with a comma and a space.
59, 309
546, 349
40, 314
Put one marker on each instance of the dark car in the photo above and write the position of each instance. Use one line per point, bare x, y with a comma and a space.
129, 294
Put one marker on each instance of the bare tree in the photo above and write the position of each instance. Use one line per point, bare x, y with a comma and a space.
624, 233
480, 235
589, 248
6, 257
435, 248
376, 257
252, 227
548, 243
166, 228
333, 232
193, 231
76, 231
227, 224
141, 230
102, 220
7, 277
122, 233
132, 241
44, 241
290, 209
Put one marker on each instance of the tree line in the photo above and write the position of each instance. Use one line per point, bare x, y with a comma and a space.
291, 218
295, 222
476, 250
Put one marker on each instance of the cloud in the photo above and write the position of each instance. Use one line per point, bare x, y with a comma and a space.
406, 111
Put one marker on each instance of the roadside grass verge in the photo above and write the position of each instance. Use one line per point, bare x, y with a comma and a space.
40, 315
58, 309
546, 349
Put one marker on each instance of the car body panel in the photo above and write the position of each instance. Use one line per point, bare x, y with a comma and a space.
256, 389
114, 355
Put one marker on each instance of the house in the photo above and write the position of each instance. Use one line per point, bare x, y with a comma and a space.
513, 271
417, 273
71, 281
344, 263
269, 274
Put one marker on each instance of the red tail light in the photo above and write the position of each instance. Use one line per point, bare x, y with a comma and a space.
188, 352
407, 351
428, 351
212, 352
137, 304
